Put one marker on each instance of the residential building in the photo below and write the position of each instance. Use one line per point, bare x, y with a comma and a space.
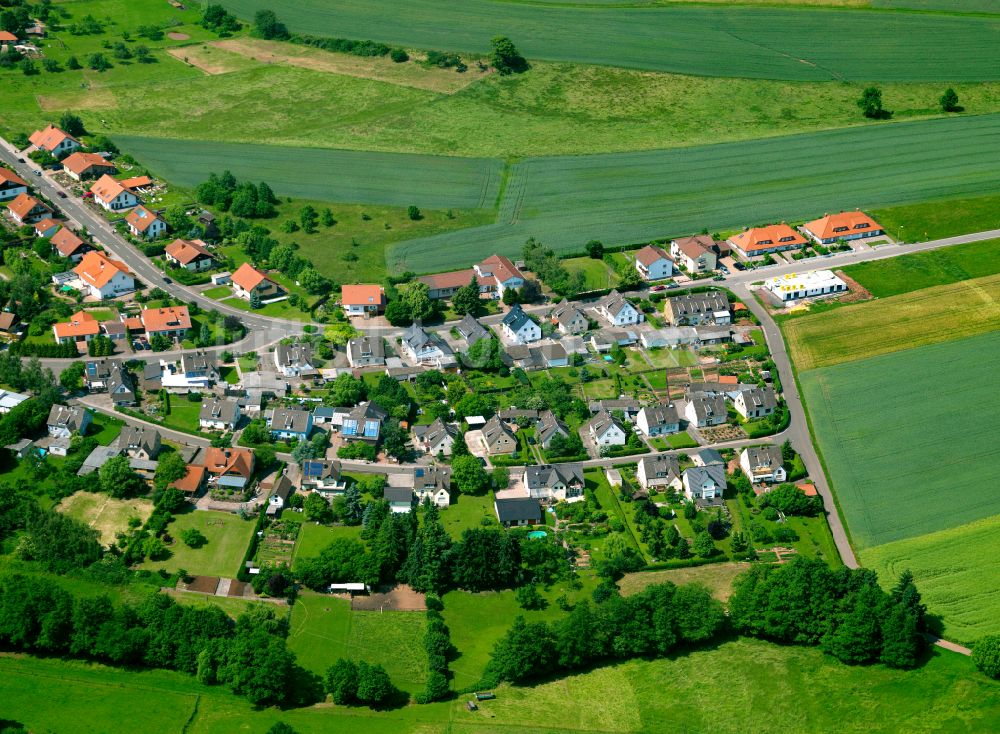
47, 227
757, 402
289, 424
704, 410
568, 319
471, 330
424, 347
247, 280
80, 165
813, 284
363, 423
629, 407
9, 322
68, 244
193, 482
437, 438
137, 183
79, 330
697, 308
145, 224
707, 457
711, 334
498, 438
653, 263
658, 420
140, 442
173, 322
550, 355
194, 371
219, 414
519, 328
191, 255
547, 427
705, 482
229, 467
503, 274
280, 493
763, 464
97, 373
10, 400
54, 140
517, 511
554, 482
104, 278
605, 430
695, 253
11, 185
366, 351
65, 420
659, 472
26, 209
323, 476
295, 359
400, 499
445, 285
111, 195
433, 483
97, 458
759, 241
362, 300
832, 228
617, 311
118, 382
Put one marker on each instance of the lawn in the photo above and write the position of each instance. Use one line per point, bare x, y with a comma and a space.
104, 429
956, 572
228, 537
107, 515
863, 330
681, 440
324, 628
313, 538
469, 511
716, 577
247, 363
769, 43
908, 438
183, 414
662, 357
596, 273
218, 292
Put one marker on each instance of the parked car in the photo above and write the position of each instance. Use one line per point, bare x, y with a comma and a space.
739, 266
38, 173
719, 277
61, 194
167, 281
20, 160
658, 288
673, 285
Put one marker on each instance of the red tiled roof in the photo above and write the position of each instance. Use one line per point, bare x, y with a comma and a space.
23, 204
80, 324
767, 238
501, 268
171, 318
842, 224
97, 270
49, 138
248, 277
453, 279
46, 224
79, 162
7, 37
8, 176
184, 251
137, 182
141, 218
229, 461
106, 188
66, 242
362, 295
650, 254
191, 482
808, 489
696, 246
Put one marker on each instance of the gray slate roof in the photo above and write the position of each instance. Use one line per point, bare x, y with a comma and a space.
219, 410
516, 318
548, 475
471, 330
517, 509
288, 419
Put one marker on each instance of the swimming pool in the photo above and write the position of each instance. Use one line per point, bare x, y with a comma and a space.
537, 534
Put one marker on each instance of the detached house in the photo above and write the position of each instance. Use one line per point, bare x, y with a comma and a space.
605, 429
831, 228
229, 467
80, 165
568, 319
26, 209
425, 347
445, 285
763, 464
433, 483
219, 414
498, 438
704, 410
363, 423
760, 241
65, 420
653, 263
289, 424
400, 499
519, 328
191, 255
471, 330
502, 272
705, 482
323, 476
54, 140
79, 330
366, 351
247, 280
695, 253
658, 420
362, 300
140, 442
280, 493
173, 322
698, 308
104, 277
111, 195
437, 438
517, 511
144, 224
548, 427
194, 371
554, 482
756, 402
617, 311
68, 244
659, 472
294, 360
11, 185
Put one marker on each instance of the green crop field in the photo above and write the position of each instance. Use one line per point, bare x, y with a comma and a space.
816, 694
768, 43
228, 537
631, 197
909, 438
927, 316
956, 571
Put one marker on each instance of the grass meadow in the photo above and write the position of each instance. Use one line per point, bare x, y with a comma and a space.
956, 572
228, 537
909, 438
928, 316
314, 538
105, 514
816, 694
766, 43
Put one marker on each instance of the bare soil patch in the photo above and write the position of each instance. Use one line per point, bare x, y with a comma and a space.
201, 584
178, 36
203, 58
106, 515
400, 598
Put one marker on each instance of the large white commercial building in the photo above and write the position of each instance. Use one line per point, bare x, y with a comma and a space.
814, 284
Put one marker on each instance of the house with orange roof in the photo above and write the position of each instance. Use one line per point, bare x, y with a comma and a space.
144, 224
362, 300
103, 277
192, 483
47, 227
189, 254
80, 165
248, 280
79, 330
653, 263
26, 209
760, 241
111, 195
445, 285
695, 253
11, 185
229, 467
832, 228
502, 272
6, 37
68, 244
54, 140
137, 183
173, 322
